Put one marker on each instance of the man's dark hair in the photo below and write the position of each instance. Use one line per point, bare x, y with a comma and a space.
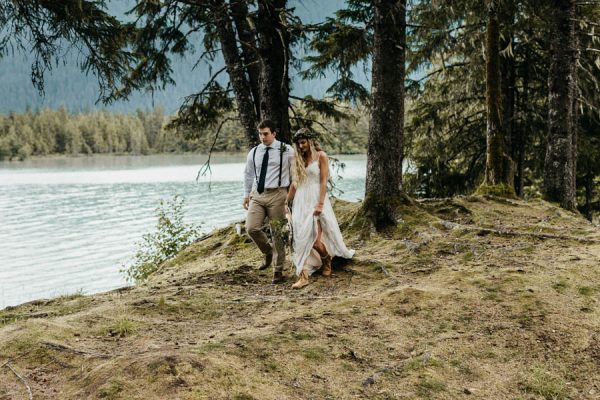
267, 123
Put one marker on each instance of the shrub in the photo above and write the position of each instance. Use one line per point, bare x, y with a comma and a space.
170, 237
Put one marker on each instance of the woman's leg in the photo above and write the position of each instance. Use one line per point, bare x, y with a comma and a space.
319, 246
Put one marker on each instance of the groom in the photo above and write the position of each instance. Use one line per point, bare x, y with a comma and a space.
267, 177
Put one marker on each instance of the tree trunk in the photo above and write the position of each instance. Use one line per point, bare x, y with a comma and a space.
237, 74
498, 166
508, 98
274, 63
574, 90
522, 134
247, 38
559, 176
589, 194
386, 128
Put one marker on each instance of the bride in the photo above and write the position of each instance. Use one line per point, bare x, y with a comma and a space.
316, 234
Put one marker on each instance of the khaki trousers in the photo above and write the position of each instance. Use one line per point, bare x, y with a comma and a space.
270, 203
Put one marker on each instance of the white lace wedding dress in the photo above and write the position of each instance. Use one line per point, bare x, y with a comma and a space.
304, 224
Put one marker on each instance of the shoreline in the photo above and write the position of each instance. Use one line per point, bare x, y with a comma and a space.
119, 155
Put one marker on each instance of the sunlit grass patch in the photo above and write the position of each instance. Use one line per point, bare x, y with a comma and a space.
542, 382
111, 389
430, 386
314, 354
121, 327
586, 291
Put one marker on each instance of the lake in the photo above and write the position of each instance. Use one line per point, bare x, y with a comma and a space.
68, 224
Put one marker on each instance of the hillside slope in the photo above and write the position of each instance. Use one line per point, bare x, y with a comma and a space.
468, 298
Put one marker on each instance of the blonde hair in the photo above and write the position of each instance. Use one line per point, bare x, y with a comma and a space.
299, 171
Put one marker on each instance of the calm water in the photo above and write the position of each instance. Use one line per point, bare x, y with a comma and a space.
67, 225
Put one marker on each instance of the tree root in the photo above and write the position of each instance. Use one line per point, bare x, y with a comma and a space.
66, 349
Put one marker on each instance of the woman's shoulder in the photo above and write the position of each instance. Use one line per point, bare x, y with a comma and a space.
322, 156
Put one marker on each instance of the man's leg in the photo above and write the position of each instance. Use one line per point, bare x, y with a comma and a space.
276, 213
254, 224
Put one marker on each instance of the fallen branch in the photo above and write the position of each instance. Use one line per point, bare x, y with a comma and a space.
61, 363
66, 349
21, 379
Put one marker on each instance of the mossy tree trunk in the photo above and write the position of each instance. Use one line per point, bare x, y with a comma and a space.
498, 166
248, 48
522, 134
559, 165
236, 70
273, 48
386, 128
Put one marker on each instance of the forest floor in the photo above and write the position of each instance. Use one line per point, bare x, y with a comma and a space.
471, 297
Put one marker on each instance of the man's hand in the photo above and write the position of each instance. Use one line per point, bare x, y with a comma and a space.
246, 202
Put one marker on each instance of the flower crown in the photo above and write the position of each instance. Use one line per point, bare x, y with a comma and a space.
304, 133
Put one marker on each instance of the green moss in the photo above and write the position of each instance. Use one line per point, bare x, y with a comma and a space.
243, 396
586, 291
302, 336
501, 190
314, 354
111, 390
429, 386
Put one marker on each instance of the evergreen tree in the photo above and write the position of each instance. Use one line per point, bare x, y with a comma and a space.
386, 127
560, 164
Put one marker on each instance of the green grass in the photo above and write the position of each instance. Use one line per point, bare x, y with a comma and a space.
110, 390
561, 286
586, 291
542, 382
429, 386
314, 354
121, 327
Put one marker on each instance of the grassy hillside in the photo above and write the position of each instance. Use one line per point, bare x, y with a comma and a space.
468, 298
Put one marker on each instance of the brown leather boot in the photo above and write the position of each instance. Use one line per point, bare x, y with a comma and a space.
326, 268
266, 262
302, 280
277, 277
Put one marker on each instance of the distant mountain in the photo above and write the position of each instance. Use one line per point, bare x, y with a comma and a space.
68, 86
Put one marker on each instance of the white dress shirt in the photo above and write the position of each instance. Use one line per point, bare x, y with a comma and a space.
252, 172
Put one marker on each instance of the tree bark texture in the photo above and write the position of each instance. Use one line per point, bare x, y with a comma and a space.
559, 164
273, 48
385, 151
247, 38
237, 73
498, 166
522, 133
589, 195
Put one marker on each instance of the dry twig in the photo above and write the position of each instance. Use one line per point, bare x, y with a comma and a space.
21, 379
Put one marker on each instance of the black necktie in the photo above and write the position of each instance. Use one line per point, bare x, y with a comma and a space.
263, 171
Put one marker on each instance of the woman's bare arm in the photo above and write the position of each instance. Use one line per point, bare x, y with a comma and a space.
324, 168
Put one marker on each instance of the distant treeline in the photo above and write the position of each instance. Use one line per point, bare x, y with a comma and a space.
52, 132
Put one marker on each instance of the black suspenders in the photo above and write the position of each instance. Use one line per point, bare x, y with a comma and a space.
281, 150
